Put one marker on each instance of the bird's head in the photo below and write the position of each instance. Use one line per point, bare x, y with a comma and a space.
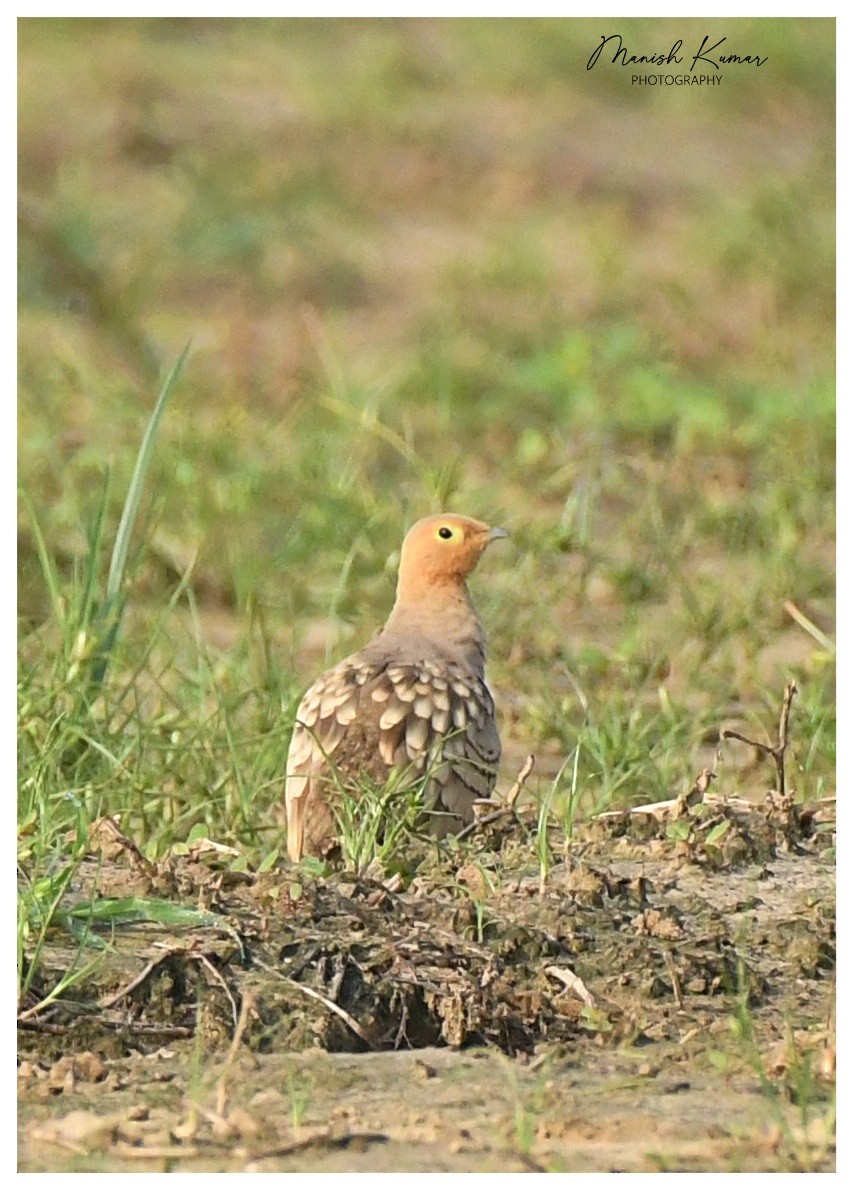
441, 551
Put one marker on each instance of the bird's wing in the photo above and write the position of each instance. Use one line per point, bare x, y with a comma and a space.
369, 716
470, 756
322, 717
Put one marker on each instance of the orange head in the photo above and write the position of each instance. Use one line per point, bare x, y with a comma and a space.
440, 552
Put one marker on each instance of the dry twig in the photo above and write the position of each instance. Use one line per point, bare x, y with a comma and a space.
320, 1137
809, 626
153, 1152
206, 963
330, 1004
246, 1007
138, 980
676, 982
520, 781
775, 751
572, 983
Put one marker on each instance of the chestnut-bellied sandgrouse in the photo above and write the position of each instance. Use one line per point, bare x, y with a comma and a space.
414, 700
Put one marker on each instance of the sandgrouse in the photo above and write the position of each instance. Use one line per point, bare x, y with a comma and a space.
414, 699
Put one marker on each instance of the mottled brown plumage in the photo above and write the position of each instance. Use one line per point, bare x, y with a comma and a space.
414, 699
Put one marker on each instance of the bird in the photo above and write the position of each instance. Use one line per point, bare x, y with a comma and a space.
413, 701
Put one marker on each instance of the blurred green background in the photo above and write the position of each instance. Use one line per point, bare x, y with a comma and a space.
431, 264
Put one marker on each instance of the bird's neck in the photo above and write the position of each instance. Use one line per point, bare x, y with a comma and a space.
443, 612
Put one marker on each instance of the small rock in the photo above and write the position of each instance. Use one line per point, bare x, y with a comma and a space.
131, 1131
223, 1129
826, 1063
84, 1067
244, 1122
30, 1070
472, 876
270, 1096
79, 1130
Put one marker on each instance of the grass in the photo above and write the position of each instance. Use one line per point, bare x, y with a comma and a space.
440, 275
86, 620
375, 824
788, 1077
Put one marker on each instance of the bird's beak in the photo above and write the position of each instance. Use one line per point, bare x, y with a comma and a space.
496, 534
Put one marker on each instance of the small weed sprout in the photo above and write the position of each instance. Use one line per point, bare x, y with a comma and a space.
542, 850
299, 1090
572, 799
476, 893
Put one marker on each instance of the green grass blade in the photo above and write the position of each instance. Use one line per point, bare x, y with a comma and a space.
122, 911
118, 560
51, 578
134, 492
95, 540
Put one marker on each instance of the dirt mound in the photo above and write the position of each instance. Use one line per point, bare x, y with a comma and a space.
502, 940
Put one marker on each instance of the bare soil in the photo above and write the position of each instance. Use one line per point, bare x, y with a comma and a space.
656, 992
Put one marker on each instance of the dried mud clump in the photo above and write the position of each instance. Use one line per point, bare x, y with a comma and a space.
718, 833
407, 971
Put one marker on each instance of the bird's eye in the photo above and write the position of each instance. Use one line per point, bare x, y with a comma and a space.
445, 533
